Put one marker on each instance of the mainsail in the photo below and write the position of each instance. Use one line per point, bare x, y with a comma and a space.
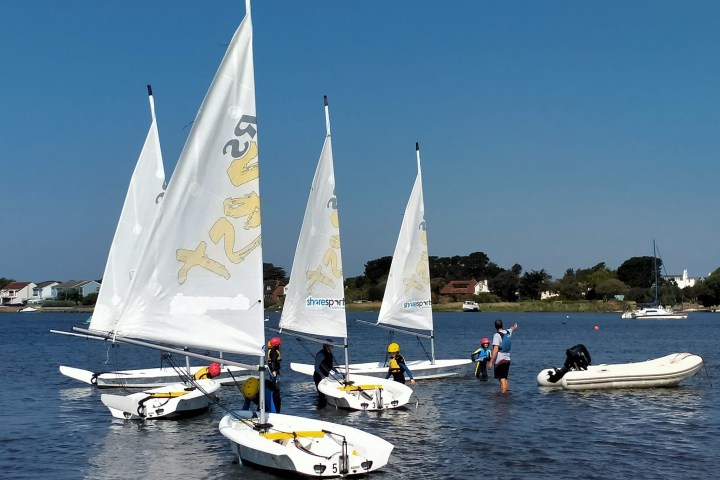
407, 302
139, 211
315, 298
199, 280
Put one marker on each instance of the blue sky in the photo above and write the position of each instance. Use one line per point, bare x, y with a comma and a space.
554, 134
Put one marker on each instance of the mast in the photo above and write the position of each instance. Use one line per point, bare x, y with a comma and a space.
345, 340
655, 274
432, 335
261, 398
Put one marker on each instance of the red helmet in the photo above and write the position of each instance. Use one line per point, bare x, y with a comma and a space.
485, 340
274, 342
214, 370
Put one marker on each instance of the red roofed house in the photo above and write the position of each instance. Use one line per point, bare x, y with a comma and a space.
274, 290
459, 287
16, 293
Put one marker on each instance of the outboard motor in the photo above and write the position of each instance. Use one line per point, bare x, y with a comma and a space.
577, 358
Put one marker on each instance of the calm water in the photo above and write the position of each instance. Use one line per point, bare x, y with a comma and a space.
461, 428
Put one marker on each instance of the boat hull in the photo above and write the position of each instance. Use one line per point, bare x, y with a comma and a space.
667, 371
149, 377
470, 307
161, 403
305, 446
369, 393
654, 314
421, 369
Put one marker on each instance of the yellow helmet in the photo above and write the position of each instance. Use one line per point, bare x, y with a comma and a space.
251, 387
393, 348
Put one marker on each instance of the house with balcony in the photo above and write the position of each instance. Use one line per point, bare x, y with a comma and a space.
43, 291
65, 289
16, 293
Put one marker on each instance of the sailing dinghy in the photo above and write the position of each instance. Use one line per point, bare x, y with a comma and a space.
140, 209
315, 298
407, 301
199, 281
151, 377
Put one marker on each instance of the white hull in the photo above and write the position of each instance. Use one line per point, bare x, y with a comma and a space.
421, 369
369, 393
181, 400
667, 371
316, 450
149, 377
470, 307
654, 314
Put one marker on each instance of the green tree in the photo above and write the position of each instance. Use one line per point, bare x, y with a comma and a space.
638, 271
375, 293
377, 269
505, 285
709, 290
568, 287
533, 283
90, 299
610, 287
271, 272
5, 281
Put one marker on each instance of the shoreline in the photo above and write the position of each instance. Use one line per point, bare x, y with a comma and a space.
533, 306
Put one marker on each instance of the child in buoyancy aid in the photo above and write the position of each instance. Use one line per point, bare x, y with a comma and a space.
211, 371
396, 365
481, 357
251, 391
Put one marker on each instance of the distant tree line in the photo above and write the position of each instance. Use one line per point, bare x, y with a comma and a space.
634, 279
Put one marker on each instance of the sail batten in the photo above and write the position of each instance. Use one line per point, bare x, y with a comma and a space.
315, 298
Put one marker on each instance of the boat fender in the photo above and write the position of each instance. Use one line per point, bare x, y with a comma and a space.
214, 370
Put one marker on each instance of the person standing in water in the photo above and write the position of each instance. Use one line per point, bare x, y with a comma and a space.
481, 356
396, 365
324, 364
500, 358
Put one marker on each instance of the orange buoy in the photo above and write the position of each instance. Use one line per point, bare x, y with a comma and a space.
596, 327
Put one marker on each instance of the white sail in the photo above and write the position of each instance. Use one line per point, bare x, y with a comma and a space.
142, 203
407, 301
315, 298
199, 281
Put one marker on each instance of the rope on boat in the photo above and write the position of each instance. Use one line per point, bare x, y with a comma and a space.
423, 347
707, 373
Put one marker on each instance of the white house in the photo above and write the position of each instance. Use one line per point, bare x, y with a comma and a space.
43, 291
482, 287
16, 293
85, 287
547, 294
683, 280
